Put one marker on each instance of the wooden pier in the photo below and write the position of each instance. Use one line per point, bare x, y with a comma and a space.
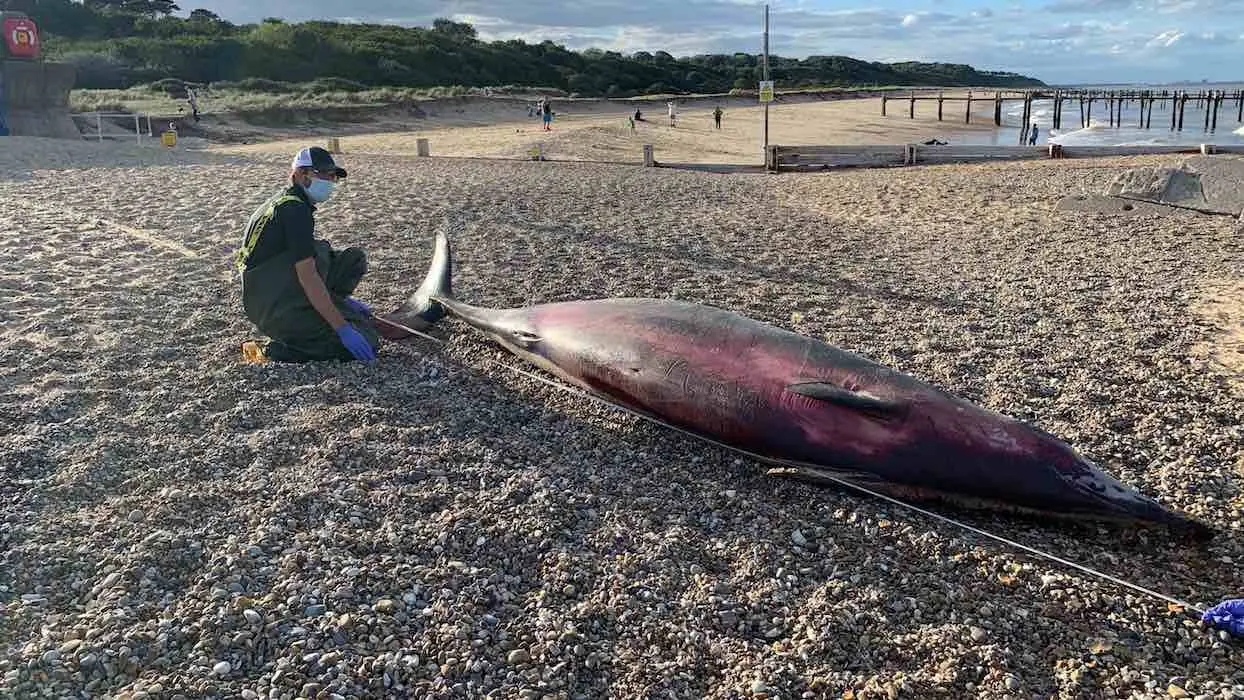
1210, 102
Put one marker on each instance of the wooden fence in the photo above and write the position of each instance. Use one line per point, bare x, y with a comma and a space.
820, 157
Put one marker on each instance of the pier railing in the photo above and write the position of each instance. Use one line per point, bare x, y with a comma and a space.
1210, 102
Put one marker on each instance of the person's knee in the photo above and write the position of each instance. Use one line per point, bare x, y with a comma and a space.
353, 262
354, 256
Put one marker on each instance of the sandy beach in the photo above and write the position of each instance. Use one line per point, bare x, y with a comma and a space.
595, 130
175, 523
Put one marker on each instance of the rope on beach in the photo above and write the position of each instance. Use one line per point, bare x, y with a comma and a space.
1227, 615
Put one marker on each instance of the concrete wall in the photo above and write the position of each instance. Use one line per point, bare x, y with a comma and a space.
34, 97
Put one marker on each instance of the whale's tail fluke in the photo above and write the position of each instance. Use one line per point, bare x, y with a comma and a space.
423, 308
437, 284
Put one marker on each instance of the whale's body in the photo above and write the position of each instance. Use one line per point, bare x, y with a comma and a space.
794, 399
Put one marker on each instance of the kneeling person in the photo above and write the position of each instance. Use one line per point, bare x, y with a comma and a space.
295, 288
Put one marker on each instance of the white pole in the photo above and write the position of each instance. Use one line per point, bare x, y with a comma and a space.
138, 130
99, 126
765, 66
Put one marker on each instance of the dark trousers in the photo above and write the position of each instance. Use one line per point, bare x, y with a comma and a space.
303, 335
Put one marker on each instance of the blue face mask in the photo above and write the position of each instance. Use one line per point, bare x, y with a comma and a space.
320, 190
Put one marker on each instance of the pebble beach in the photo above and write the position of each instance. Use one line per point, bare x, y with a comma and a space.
175, 523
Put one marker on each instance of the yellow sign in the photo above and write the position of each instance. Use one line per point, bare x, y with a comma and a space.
169, 139
766, 91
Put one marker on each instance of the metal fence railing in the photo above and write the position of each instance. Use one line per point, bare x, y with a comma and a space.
140, 121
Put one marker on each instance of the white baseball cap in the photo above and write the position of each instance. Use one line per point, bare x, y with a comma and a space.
319, 160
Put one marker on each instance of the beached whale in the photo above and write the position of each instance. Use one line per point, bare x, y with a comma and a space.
796, 400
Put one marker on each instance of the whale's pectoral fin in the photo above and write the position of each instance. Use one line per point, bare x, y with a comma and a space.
835, 394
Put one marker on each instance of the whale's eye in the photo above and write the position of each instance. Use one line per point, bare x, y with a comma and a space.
526, 337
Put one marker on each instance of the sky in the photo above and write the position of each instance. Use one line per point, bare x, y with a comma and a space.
1058, 41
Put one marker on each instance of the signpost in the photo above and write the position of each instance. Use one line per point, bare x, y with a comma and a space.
766, 82
21, 38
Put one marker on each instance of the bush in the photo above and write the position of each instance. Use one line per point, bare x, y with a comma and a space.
98, 69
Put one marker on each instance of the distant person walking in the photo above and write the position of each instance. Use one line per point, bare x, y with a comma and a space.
547, 110
717, 117
1032, 138
193, 99
672, 112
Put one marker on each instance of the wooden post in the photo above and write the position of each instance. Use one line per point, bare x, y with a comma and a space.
1082, 122
1056, 150
1023, 132
1149, 117
1239, 107
911, 114
421, 148
1207, 149
1207, 111
1174, 97
1217, 103
909, 154
941, 96
649, 160
967, 116
1088, 119
1183, 102
997, 109
883, 101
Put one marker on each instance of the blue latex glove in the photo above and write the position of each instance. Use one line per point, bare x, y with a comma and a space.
1227, 615
356, 343
358, 306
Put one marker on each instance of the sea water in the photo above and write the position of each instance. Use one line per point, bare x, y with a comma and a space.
1129, 133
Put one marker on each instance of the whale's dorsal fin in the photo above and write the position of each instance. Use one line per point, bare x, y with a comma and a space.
832, 393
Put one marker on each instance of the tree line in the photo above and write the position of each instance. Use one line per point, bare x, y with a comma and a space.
121, 43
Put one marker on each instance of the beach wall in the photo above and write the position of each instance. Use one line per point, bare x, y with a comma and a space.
34, 98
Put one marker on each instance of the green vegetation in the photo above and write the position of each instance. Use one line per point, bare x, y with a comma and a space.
119, 44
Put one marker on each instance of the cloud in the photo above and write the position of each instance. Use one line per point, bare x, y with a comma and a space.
1090, 5
1165, 40
1062, 41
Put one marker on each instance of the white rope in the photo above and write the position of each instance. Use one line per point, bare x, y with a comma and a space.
823, 475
